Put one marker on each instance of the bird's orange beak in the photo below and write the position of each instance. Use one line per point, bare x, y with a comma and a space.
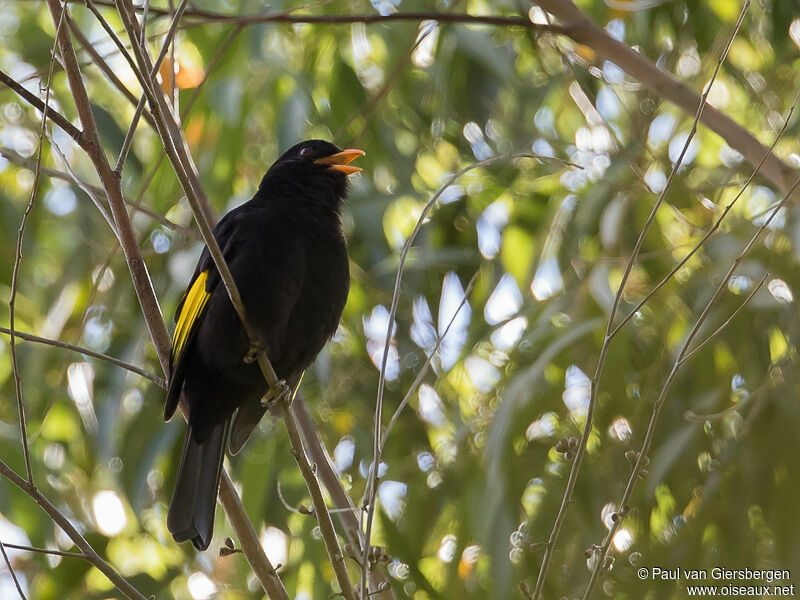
341, 161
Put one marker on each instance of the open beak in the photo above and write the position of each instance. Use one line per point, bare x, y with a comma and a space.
341, 161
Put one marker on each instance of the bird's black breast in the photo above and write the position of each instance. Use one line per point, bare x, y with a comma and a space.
292, 273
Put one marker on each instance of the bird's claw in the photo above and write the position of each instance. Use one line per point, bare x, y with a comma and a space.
280, 395
252, 353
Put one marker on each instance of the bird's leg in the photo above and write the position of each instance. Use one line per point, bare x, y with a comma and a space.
256, 346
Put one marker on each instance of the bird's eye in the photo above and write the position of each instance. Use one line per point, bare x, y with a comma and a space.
305, 152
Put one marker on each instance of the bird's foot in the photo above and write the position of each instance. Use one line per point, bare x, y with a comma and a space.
280, 395
252, 353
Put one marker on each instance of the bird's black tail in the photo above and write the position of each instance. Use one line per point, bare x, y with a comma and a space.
191, 510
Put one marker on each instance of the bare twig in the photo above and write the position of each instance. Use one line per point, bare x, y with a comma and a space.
11, 570
727, 321
114, 37
141, 278
580, 452
713, 229
45, 551
29, 337
53, 115
198, 16
104, 67
12, 302
98, 191
126, 144
424, 370
136, 265
89, 553
583, 30
318, 500
190, 103
251, 546
84, 188
345, 511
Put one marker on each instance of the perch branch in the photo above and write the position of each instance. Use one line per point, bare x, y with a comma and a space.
177, 151
136, 265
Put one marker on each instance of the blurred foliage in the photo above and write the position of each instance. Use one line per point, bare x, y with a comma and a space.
472, 477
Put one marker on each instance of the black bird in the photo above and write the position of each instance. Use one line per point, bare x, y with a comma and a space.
287, 254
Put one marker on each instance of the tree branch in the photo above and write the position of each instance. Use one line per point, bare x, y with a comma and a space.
111, 183
134, 204
251, 546
29, 337
682, 357
12, 302
581, 29
122, 584
377, 441
11, 570
104, 67
203, 17
141, 279
44, 550
34, 101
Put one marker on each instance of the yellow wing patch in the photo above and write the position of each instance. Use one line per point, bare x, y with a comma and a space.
192, 308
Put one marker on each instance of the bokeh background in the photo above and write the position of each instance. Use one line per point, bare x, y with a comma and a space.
472, 479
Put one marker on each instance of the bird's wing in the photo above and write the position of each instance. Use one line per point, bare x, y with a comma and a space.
191, 310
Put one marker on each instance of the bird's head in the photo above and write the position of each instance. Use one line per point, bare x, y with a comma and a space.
317, 165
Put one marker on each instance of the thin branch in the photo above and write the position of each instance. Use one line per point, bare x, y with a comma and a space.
203, 17
580, 452
148, 179
29, 337
727, 321
11, 570
141, 278
137, 206
93, 147
12, 302
583, 30
114, 37
126, 144
318, 500
377, 443
428, 361
84, 188
345, 511
45, 551
716, 224
34, 101
104, 67
248, 540
602, 553
89, 553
